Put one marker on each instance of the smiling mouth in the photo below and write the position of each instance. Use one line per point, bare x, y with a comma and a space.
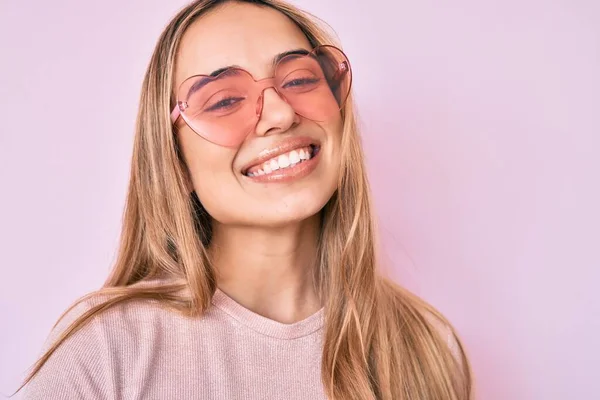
282, 162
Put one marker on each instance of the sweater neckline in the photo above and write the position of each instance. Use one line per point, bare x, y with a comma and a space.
264, 325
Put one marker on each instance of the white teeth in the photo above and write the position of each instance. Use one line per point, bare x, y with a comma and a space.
294, 157
283, 161
274, 165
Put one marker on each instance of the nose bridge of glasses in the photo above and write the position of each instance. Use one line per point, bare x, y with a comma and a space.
261, 86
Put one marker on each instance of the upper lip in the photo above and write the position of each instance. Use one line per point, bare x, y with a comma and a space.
280, 148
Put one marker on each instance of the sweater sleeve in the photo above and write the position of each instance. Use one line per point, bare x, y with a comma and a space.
78, 369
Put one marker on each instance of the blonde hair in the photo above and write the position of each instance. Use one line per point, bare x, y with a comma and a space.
380, 341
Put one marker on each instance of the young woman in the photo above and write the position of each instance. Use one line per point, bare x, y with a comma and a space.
247, 267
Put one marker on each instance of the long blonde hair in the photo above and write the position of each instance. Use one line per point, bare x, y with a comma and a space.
380, 341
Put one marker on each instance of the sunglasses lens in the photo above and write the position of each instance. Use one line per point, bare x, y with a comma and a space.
223, 109
315, 85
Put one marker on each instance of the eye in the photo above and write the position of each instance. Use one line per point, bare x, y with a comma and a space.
225, 104
301, 82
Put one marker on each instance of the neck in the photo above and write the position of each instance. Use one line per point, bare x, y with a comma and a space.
269, 270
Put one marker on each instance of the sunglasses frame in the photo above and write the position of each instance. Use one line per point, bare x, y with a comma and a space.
342, 68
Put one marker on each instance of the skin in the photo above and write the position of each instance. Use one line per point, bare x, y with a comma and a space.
264, 234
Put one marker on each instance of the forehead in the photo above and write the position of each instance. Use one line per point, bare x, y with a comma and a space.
245, 35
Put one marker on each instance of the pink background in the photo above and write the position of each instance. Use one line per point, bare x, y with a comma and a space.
481, 128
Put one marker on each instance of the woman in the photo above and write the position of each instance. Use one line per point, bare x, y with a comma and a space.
247, 267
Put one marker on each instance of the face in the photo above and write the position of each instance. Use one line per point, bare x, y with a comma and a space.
227, 180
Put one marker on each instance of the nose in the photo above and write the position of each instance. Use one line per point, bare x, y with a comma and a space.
274, 113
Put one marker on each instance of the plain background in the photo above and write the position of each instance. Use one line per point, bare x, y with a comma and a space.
481, 124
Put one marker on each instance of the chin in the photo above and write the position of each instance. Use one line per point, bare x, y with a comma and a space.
290, 210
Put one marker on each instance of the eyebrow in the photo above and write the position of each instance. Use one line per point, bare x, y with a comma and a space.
276, 59
219, 72
297, 52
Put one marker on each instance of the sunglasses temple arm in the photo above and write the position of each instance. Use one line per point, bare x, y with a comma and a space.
175, 114
341, 71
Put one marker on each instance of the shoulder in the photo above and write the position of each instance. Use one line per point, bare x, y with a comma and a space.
445, 331
96, 317
89, 344
433, 318
72, 367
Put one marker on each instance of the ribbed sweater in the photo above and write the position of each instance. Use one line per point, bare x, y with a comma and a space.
139, 350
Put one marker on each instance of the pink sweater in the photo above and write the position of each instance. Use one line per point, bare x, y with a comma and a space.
142, 351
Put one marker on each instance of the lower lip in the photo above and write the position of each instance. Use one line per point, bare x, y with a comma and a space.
289, 174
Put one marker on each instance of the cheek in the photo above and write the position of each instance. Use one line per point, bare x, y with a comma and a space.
211, 172
334, 130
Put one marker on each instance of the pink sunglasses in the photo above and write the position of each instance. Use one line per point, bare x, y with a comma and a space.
225, 106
